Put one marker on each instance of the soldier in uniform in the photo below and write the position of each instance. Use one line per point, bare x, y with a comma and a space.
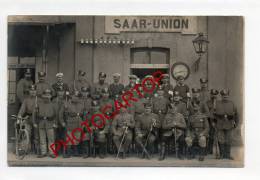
97, 87
59, 84
104, 102
45, 118
226, 116
160, 103
173, 129
59, 101
182, 88
198, 129
166, 84
122, 128
99, 133
70, 118
42, 85
204, 92
132, 82
146, 129
87, 104
23, 86
82, 81
27, 108
211, 103
197, 101
149, 85
116, 87
175, 99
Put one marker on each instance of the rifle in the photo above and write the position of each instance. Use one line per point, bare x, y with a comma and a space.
65, 117
92, 143
215, 142
125, 131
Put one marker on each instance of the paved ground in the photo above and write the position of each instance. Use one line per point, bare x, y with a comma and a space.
32, 160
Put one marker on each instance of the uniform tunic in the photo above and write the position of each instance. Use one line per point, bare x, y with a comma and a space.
41, 87
97, 88
198, 128
183, 90
115, 89
78, 84
171, 121
22, 90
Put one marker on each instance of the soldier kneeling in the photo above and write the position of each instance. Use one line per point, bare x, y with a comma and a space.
146, 129
173, 127
197, 132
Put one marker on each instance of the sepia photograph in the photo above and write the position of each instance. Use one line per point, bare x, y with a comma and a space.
125, 91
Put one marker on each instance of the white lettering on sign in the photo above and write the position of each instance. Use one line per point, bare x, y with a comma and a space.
183, 24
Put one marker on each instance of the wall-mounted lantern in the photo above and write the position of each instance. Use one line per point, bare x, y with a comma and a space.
200, 44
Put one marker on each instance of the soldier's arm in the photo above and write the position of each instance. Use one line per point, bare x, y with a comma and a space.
206, 127
114, 125
132, 122
182, 123
19, 91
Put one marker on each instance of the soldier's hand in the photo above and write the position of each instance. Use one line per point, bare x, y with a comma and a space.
35, 125
213, 124
63, 124
54, 126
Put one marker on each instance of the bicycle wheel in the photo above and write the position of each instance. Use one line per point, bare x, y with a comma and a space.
22, 144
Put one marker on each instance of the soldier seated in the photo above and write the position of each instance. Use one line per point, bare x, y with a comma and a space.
146, 130
122, 128
198, 128
173, 129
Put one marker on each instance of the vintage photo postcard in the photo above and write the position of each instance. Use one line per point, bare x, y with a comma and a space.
125, 91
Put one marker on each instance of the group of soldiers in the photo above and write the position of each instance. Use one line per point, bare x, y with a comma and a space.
187, 123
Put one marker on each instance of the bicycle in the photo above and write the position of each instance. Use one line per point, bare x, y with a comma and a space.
22, 139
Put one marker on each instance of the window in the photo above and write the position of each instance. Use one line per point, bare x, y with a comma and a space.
145, 61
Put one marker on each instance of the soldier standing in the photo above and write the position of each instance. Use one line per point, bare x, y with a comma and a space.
82, 81
198, 129
59, 84
197, 101
166, 85
173, 129
181, 106
45, 118
71, 117
132, 82
27, 108
97, 87
23, 86
122, 128
211, 103
116, 87
226, 116
86, 101
105, 101
146, 129
42, 85
204, 92
182, 88
160, 104
59, 101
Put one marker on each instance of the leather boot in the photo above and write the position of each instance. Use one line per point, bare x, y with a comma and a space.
190, 154
162, 153
101, 151
227, 152
202, 153
221, 151
86, 149
67, 152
